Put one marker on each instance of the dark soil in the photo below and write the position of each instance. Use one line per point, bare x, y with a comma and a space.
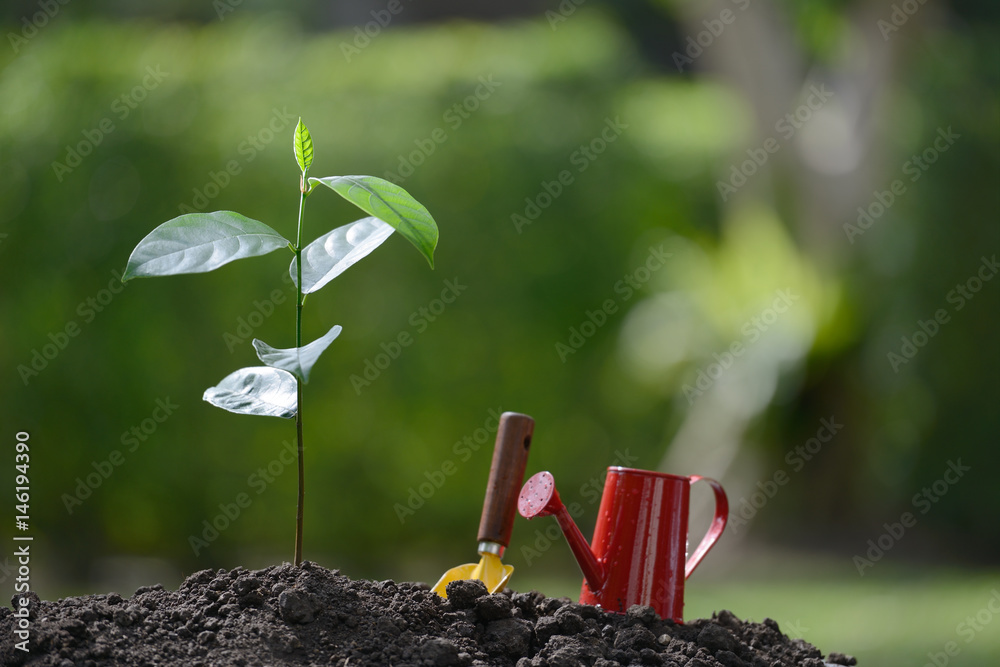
309, 615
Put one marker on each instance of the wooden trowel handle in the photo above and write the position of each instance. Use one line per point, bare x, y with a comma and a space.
510, 456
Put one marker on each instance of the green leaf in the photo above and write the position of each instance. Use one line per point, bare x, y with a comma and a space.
303, 147
390, 203
260, 390
199, 242
296, 360
333, 253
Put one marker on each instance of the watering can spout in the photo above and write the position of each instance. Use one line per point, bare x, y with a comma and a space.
540, 498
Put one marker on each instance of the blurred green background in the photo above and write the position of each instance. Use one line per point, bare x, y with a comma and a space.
822, 177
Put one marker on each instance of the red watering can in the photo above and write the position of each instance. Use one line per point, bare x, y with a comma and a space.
640, 539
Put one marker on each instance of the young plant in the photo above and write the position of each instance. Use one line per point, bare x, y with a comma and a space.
200, 242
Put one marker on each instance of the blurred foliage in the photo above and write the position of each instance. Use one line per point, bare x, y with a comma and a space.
516, 103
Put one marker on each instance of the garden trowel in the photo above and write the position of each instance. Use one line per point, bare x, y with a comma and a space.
510, 456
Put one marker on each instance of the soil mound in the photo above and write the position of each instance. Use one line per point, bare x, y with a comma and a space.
308, 615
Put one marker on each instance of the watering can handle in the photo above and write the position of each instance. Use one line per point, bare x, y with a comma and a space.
510, 457
715, 530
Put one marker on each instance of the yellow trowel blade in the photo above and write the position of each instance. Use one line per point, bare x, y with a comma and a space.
489, 570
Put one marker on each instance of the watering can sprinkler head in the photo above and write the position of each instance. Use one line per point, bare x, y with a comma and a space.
540, 498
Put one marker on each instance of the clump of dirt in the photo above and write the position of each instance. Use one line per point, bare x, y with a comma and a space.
308, 615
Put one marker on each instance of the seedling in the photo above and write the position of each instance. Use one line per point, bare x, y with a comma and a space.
201, 242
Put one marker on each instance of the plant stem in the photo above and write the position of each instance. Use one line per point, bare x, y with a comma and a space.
298, 381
